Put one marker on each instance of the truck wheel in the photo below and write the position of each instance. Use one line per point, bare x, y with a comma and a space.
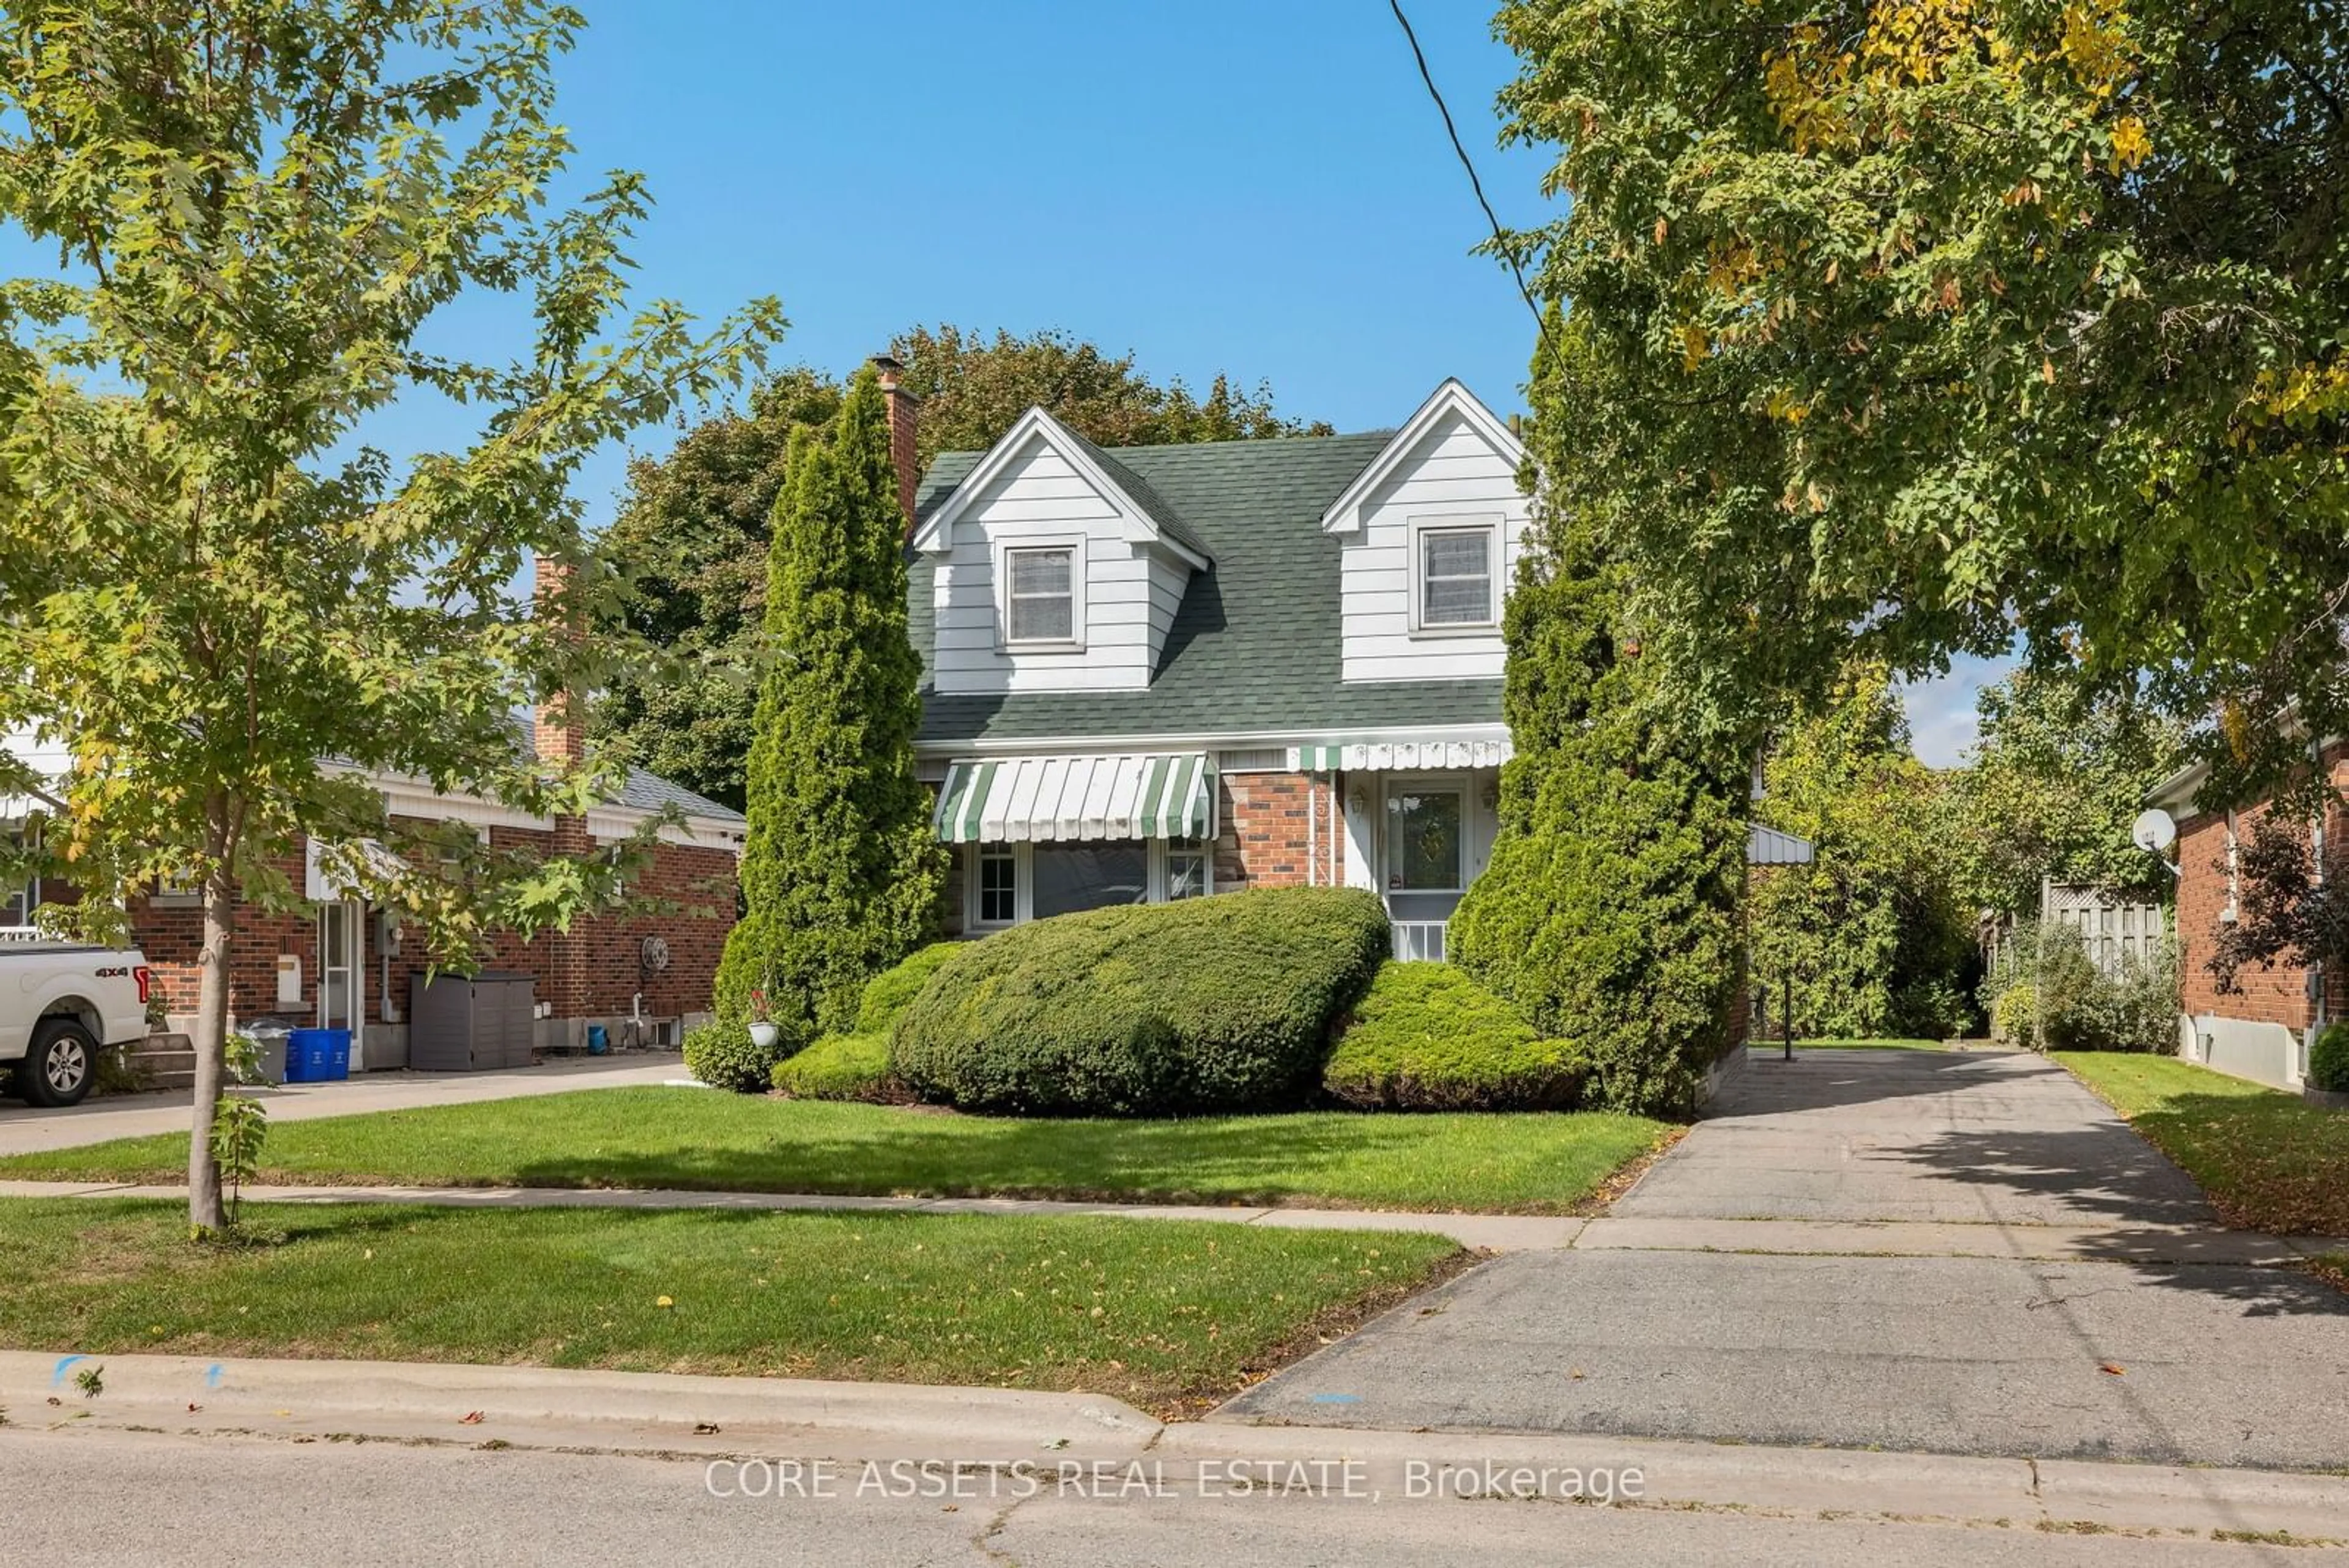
61, 1065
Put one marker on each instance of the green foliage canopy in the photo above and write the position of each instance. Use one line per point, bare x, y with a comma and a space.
210, 580
2060, 771
1920, 323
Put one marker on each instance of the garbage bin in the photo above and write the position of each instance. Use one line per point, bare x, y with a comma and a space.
317, 1055
270, 1036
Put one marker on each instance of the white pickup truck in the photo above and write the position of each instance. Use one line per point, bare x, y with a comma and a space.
59, 1004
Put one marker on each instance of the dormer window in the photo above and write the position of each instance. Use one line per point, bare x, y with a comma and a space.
1043, 596
1452, 576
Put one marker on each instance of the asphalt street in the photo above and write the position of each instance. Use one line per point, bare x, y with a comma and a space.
103, 1497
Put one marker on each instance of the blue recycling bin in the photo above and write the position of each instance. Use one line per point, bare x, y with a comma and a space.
317, 1055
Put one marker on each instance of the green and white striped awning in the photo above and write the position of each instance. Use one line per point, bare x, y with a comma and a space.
1379, 756
1169, 796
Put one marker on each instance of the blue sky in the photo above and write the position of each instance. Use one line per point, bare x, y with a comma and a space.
1214, 184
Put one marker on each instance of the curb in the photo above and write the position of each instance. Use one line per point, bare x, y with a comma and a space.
551, 1408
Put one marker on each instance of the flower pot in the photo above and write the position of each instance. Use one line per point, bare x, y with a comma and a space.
2330, 1100
764, 1035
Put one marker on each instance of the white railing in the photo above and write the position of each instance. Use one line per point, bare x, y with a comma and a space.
1422, 940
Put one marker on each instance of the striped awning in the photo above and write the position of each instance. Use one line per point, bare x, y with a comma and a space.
1380, 755
1167, 795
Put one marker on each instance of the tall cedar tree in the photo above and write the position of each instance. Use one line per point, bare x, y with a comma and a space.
209, 582
1607, 913
840, 874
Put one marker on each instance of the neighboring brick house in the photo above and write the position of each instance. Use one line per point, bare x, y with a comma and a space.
1161, 671
342, 963
2263, 1029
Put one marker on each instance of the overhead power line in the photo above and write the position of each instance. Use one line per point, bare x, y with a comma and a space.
1500, 236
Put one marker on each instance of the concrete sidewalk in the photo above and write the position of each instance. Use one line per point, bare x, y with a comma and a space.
25, 1130
1087, 1434
1490, 1232
2165, 1244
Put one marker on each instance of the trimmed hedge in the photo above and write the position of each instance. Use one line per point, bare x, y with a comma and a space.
840, 1067
1429, 1038
720, 1054
1221, 1004
2328, 1059
855, 1065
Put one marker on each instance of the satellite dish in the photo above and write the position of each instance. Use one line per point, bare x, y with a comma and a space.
2154, 831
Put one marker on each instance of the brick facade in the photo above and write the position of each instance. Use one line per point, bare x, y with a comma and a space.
2278, 995
1279, 830
593, 971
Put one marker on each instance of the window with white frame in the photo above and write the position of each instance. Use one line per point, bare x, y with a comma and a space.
1040, 595
996, 891
1453, 569
1009, 884
1186, 869
18, 901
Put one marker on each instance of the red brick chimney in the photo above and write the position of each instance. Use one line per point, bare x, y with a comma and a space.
554, 735
904, 422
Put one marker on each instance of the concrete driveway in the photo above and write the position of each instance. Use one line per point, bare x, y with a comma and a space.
25, 1129
1951, 1253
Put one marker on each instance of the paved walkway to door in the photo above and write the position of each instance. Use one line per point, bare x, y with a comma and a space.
1944, 1252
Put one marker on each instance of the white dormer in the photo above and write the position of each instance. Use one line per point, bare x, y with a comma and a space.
1052, 575
1430, 533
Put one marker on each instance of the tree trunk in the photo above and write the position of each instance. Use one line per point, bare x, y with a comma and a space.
211, 1042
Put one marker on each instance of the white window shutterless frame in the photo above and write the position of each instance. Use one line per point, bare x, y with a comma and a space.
1455, 574
1000, 879
1041, 594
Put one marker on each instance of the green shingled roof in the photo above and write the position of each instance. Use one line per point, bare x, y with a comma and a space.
1255, 647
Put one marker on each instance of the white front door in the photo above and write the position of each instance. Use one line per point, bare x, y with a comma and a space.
340, 964
1424, 859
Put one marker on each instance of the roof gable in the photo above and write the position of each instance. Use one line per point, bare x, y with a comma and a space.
1142, 516
1254, 647
1449, 401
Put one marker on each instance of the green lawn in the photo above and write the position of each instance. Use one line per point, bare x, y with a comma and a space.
675, 1137
1164, 1313
2270, 1161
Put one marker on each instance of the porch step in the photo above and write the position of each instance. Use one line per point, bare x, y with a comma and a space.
162, 1062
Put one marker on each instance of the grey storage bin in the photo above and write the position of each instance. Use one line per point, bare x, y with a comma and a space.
269, 1034
465, 1024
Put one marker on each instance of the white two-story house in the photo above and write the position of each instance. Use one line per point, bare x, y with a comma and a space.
1164, 672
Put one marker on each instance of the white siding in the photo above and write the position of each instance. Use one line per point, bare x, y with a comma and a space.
1130, 591
49, 758
1454, 476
